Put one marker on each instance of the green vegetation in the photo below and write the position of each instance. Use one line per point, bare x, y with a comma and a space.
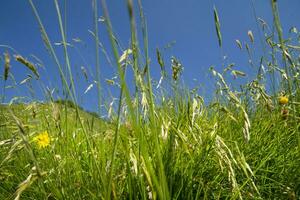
243, 145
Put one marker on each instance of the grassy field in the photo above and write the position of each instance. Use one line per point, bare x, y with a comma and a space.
244, 144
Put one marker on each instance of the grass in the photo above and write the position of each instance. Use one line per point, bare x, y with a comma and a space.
157, 144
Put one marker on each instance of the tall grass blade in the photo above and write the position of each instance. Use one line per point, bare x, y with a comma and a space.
98, 83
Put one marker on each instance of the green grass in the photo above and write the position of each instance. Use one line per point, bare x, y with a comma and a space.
202, 160
156, 144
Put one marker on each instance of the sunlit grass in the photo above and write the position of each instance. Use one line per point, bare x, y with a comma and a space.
159, 141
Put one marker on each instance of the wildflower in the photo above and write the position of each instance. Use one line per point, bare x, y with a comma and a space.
283, 100
42, 140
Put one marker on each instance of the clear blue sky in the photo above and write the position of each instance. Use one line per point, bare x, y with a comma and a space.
190, 23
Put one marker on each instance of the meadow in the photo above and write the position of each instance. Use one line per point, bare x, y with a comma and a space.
159, 140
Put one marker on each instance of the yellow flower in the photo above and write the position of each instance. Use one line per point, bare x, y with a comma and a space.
42, 140
283, 100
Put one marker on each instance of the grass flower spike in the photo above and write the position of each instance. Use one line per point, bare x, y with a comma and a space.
42, 140
283, 100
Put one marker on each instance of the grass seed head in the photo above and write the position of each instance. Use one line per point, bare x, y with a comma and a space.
6, 65
176, 68
238, 42
28, 64
250, 35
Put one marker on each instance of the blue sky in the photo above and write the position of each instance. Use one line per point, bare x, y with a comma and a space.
189, 23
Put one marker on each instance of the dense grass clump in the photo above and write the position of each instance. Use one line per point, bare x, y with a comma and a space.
163, 143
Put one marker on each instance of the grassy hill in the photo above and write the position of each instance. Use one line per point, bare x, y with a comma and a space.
204, 156
20, 123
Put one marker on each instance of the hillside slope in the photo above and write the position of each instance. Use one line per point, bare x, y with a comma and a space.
204, 156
